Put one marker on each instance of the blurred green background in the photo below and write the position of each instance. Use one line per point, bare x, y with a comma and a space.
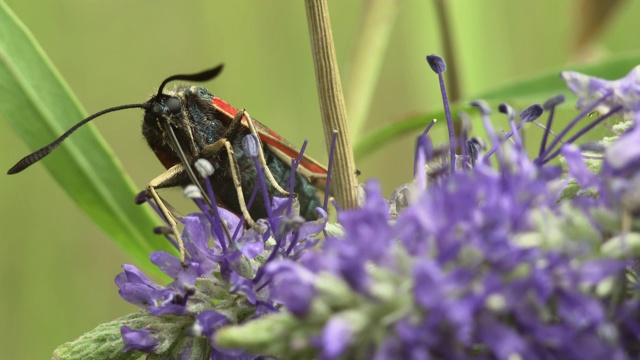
57, 268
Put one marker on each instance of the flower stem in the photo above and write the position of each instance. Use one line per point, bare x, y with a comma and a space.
332, 102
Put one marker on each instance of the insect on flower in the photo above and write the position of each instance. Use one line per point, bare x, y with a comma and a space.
188, 123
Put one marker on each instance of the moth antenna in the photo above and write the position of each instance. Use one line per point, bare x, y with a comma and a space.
199, 77
37, 155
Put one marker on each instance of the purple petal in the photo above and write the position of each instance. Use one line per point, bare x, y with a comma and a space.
280, 205
577, 166
141, 340
229, 218
185, 281
311, 228
596, 270
625, 91
244, 286
168, 263
504, 342
207, 322
250, 244
293, 285
625, 151
197, 232
132, 274
136, 294
167, 301
336, 337
429, 280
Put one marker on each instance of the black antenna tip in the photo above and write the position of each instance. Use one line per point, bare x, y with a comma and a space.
199, 77
32, 158
14, 170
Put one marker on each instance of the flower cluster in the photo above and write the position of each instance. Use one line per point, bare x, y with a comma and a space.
485, 262
221, 282
487, 254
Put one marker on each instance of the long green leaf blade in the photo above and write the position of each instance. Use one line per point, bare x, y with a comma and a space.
39, 105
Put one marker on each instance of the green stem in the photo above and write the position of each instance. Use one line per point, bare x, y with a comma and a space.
377, 22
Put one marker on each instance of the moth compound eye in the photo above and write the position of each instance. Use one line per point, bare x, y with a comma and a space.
174, 105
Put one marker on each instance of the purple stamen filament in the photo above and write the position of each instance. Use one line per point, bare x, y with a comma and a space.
545, 155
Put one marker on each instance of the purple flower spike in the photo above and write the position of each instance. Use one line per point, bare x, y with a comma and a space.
222, 282
625, 91
487, 258
141, 340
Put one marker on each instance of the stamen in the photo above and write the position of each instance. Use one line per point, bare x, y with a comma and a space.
583, 131
291, 182
168, 234
438, 65
511, 114
236, 231
474, 149
508, 110
206, 169
142, 197
465, 129
292, 175
485, 111
250, 146
554, 101
426, 131
192, 192
573, 122
424, 152
531, 113
549, 105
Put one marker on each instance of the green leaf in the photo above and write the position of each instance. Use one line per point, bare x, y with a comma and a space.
541, 87
537, 89
39, 105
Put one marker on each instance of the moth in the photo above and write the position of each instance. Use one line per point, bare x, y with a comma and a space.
188, 123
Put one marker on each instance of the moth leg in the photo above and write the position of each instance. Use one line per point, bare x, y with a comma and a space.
164, 180
236, 182
267, 171
212, 149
